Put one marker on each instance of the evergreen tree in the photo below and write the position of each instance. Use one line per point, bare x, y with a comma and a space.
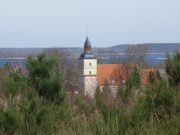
173, 69
134, 80
151, 77
135, 76
107, 94
106, 88
98, 92
45, 78
158, 75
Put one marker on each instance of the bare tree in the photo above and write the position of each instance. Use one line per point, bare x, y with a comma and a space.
100, 56
108, 54
72, 71
136, 55
68, 67
116, 59
62, 55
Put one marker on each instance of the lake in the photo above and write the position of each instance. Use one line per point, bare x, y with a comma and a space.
151, 58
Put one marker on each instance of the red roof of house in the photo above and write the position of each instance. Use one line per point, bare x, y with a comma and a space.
116, 73
105, 71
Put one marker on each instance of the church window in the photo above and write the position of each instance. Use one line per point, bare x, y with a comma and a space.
90, 72
90, 64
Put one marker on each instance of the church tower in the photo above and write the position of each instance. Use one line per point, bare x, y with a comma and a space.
88, 71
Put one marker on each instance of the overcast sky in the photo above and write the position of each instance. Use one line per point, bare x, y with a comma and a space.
62, 23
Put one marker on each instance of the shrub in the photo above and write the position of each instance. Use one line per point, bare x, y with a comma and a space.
11, 120
52, 89
17, 75
10, 87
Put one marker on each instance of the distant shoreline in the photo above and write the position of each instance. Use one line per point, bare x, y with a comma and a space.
17, 58
150, 53
132, 53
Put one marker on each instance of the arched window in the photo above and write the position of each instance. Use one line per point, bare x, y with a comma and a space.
90, 72
90, 64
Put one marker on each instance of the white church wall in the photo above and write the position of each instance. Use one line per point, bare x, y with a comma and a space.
90, 67
88, 82
90, 86
87, 67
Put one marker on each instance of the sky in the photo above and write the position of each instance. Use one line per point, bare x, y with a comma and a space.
63, 23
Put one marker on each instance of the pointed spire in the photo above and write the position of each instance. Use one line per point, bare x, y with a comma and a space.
87, 42
87, 54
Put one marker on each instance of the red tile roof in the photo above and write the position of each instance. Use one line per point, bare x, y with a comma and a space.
105, 71
116, 73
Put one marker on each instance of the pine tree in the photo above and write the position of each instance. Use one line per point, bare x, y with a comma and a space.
107, 93
158, 75
98, 92
173, 69
151, 77
134, 80
45, 78
106, 87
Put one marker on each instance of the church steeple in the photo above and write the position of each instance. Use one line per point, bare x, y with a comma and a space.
87, 45
87, 54
87, 70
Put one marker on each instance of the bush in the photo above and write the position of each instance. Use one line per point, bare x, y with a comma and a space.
11, 88
11, 120
52, 89
17, 75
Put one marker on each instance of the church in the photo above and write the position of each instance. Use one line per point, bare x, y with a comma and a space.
92, 74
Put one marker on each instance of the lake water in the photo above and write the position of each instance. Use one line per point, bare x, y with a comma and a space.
151, 58
12, 61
